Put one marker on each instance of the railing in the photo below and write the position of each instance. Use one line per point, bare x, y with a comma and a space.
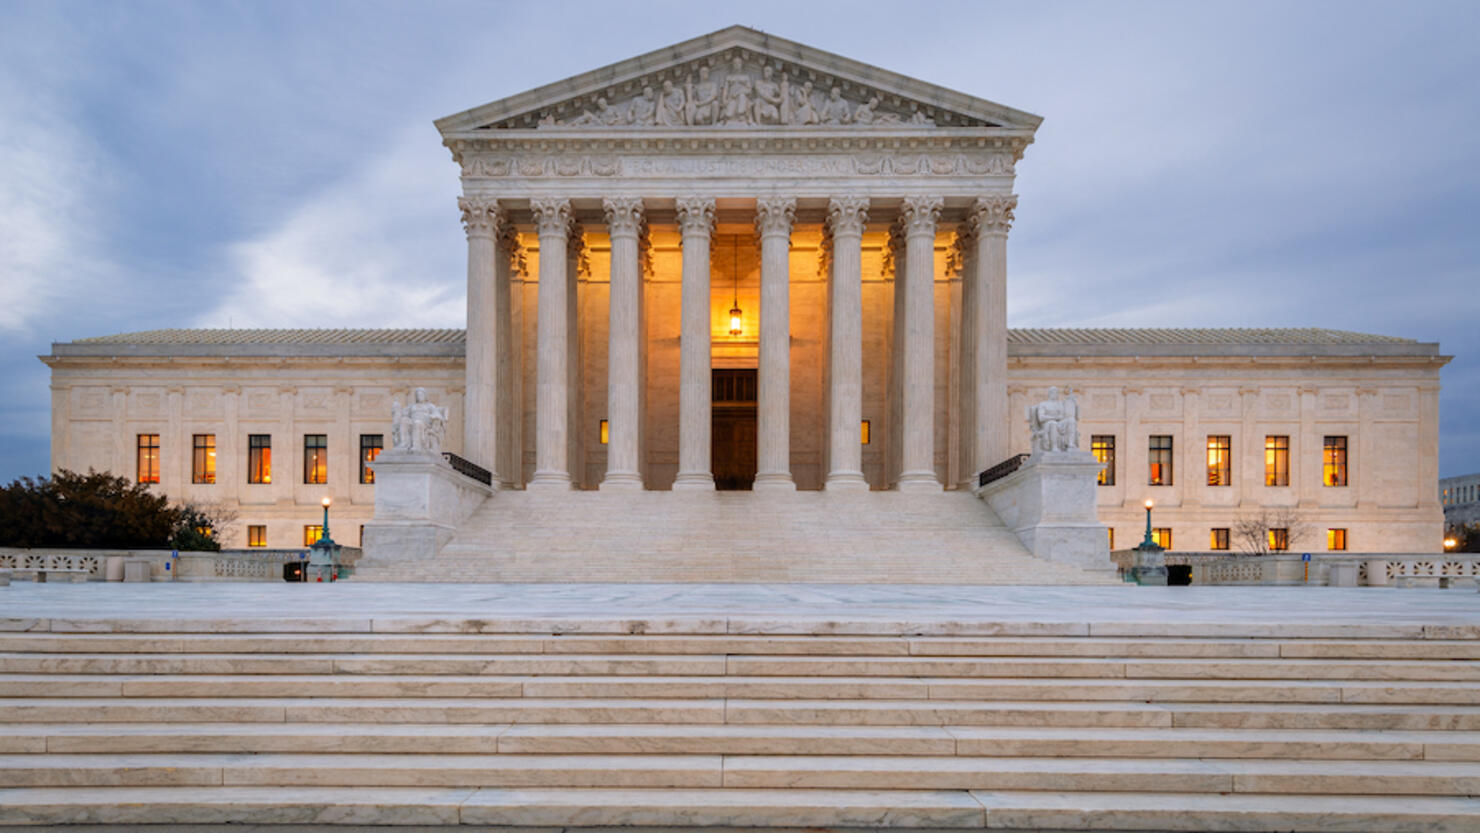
467, 468
1001, 470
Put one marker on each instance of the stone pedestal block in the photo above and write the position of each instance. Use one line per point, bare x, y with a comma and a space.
419, 503
1049, 504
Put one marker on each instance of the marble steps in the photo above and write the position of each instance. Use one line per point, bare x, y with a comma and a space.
720, 739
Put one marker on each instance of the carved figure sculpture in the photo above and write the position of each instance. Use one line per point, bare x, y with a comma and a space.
420, 426
739, 90
836, 110
604, 114
768, 98
804, 109
704, 101
644, 108
1054, 423
671, 106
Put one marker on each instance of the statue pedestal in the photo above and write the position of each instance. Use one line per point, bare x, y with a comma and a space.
1049, 504
419, 503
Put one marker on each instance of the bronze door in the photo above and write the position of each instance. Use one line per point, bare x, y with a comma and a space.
732, 443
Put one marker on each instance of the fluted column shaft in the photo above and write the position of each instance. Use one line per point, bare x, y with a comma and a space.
918, 463
774, 218
552, 219
846, 218
623, 386
992, 217
482, 221
696, 223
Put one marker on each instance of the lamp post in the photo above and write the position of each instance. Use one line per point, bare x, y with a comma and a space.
1146, 543
1150, 566
1449, 543
323, 555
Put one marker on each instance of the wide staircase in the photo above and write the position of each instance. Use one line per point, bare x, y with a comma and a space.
661, 536
838, 724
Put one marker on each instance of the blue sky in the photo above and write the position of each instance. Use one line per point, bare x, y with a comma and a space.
275, 164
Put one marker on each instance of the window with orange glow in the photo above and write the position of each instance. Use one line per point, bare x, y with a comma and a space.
1220, 460
1333, 462
148, 458
203, 459
315, 458
1276, 460
259, 458
1159, 456
1103, 447
312, 533
370, 447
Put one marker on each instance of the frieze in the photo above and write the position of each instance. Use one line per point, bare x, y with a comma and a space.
798, 165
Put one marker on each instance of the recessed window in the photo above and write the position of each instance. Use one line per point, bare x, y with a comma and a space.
1220, 457
1159, 455
1112, 537
606, 432
1103, 447
1336, 539
1162, 536
315, 458
312, 533
1333, 462
370, 447
1279, 539
203, 459
1276, 460
864, 432
148, 458
259, 458
1218, 539
257, 535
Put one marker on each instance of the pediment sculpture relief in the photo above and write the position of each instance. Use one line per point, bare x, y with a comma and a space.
738, 94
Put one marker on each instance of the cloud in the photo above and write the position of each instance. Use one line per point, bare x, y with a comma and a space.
381, 246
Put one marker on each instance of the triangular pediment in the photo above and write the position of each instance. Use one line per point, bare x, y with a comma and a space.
737, 79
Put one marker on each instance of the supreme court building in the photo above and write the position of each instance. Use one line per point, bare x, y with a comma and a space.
743, 263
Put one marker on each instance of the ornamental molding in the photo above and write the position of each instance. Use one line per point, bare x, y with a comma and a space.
847, 215
481, 216
552, 216
552, 163
775, 216
695, 216
624, 216
920, 215
993, 214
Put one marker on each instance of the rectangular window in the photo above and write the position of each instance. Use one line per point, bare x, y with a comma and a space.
1336, 539
1333, 462
257, 535
1279, 539
1220, 459
1218, 540
315, 458
864, 432
1159, 454
203, 459
1162, 535
1112, 538
148, 458
312, 533
1276, 460
606, 432
1103, 447
370, 447
259, 458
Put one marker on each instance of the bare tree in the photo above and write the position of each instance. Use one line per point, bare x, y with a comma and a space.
1254, 532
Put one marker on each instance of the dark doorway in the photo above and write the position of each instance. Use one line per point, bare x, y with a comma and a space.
732, 445
1179, 575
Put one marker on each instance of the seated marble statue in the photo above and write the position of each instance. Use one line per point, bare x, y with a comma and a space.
420, 426
1054, 423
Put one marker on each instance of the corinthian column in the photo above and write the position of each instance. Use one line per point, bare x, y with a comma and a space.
773, 220
917, 466
552, 218
845, 219
483, 221
992, 217
696, 222
623, 386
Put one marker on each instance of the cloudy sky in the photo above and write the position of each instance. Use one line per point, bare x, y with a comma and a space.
274, 163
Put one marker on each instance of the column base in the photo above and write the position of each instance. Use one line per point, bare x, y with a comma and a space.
918, 481
550, 481
694, 481
621, 481
774, 481
845, 481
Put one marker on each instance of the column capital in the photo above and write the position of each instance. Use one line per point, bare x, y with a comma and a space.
624, 216
847, 215
481, 216
993, 214
552, 216
696, 216
920, 214
775, 216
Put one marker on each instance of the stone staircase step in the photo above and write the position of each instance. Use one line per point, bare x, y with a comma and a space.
369, 710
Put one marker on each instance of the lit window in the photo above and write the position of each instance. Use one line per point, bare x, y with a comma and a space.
203, 459
1279, 539
1333, 462
1103, 447
864, 432
1159, 454
606, 432
1276, 460
1162, 535
370, 447
1220, 456
257, 535
1218, 540
1336, 539
312, 533
315, 458
1112, 537
259, 458
148, 458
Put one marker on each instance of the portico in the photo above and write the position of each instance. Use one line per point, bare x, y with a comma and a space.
804, 160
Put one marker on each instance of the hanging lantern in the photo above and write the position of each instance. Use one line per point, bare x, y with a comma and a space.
735, 312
